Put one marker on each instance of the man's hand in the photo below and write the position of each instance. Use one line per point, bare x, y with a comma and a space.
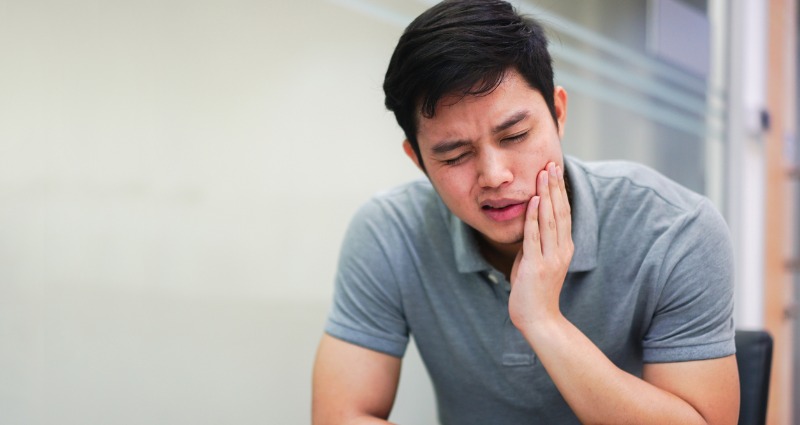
541, 265
694, 392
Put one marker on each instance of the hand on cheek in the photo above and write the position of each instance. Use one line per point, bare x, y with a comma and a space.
541, 266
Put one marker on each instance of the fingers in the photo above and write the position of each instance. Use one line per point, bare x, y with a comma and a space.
547, 220
555, 222
531, 241
562, 209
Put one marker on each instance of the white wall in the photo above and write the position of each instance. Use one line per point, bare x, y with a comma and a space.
175, 180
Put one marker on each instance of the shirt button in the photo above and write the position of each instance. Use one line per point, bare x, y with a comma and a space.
493, 278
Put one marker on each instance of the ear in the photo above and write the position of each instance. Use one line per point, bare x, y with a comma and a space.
411, 154
560, 101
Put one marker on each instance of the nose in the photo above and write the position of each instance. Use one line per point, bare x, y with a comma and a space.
493, 169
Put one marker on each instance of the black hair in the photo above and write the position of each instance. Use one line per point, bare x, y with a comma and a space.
463, 47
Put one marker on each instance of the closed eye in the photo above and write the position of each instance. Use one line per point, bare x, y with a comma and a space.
457, 160
516, 138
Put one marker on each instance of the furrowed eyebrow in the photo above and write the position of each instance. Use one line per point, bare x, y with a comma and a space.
451, 145
517, 117
448, 146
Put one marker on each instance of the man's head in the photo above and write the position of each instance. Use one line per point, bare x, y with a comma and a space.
463, 47
471, 84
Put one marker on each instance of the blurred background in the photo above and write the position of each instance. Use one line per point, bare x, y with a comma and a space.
176, 177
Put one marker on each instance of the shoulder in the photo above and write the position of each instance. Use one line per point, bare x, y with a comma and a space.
404, 206
401, 218
404, 198
630, 181
650, 212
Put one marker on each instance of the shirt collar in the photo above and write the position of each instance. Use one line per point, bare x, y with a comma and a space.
584, 228
465, 247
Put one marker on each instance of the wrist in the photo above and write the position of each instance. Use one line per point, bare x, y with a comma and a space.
542, 327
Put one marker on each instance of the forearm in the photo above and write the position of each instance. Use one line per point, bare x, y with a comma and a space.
596, 389
335, 414
359, 420
371, 421
330, 414
368, 420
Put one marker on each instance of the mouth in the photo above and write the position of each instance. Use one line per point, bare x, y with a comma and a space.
499, 203
503, 209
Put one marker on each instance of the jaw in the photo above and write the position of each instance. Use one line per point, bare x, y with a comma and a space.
504, 242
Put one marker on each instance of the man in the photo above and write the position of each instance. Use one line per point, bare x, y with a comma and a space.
538, 288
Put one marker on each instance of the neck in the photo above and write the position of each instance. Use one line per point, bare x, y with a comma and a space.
499, 256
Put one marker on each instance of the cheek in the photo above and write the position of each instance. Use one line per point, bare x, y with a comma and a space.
539, 155
532, 160
454, 185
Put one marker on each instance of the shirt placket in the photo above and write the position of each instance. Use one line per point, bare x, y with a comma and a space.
516, 350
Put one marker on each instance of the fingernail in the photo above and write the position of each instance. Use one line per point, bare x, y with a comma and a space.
552, 169
544, 178
535, 202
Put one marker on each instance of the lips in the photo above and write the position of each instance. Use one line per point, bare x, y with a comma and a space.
503, 209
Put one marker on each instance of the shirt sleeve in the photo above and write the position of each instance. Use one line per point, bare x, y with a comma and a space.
693, 317
367, 306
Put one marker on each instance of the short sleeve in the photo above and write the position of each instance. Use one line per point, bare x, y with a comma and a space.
367, 305
693, 318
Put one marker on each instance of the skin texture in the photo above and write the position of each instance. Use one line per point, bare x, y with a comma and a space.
503, 149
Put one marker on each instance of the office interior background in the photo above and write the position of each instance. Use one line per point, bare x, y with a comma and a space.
176, 177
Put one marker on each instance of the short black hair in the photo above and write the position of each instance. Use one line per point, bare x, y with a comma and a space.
463, 47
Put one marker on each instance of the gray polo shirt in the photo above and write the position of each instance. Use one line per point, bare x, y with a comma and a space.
651, 280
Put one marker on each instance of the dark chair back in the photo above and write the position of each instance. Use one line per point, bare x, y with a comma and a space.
754, 359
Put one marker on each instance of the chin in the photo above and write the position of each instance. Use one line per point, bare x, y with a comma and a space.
514, 237
507, 240
498, 237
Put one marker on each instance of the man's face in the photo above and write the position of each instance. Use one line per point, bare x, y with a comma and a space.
482, 155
